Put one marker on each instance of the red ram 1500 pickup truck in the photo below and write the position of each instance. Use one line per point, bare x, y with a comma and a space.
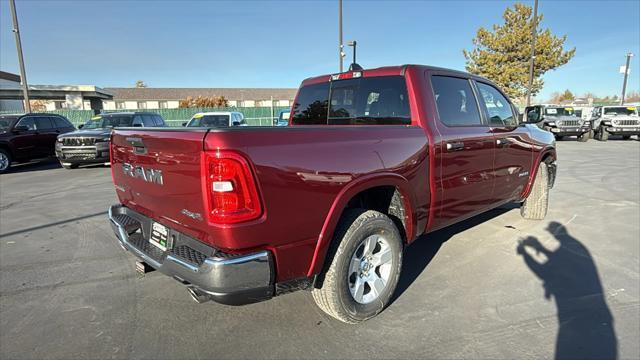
372, 160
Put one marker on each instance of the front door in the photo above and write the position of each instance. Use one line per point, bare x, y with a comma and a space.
25, 142
514, 152
464, 151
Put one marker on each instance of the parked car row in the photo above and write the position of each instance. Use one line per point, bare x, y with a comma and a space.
563, 121
27, 137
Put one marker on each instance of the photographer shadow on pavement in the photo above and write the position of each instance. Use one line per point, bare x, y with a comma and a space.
570, 276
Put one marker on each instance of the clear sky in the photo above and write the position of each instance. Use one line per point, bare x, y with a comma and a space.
277, 44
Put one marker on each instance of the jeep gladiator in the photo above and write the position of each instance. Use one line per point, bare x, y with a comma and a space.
371, 161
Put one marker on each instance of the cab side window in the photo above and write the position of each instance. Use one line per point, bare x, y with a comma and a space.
44, 123
499, 110
29, 122
148, 120
137, 121
455, 101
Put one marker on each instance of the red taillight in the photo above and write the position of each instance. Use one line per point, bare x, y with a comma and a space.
230, 190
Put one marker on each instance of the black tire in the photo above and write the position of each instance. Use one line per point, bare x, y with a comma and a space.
70, 166
603, 135
584, 137
559, 137
5, 161
332, 293
536, 204
626, 137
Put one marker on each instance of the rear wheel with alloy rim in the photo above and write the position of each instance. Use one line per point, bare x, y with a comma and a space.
363, 268
5, 160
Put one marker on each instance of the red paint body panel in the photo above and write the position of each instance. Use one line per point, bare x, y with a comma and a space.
306, 175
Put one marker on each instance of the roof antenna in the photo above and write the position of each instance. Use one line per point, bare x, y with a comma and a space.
354, 66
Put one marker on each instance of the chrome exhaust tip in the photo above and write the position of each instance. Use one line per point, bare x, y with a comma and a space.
197, 295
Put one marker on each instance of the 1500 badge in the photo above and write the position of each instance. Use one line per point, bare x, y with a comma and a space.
146, 174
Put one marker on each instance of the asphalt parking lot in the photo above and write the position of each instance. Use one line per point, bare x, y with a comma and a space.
496, 286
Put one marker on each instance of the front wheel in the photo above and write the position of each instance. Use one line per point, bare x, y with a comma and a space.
364, 267
603, 135
5, 160
536, 204
584, 137
626, 137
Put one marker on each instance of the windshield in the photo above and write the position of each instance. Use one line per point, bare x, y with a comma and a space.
621, 110
100, 122
560, 111
209, 121
380, 100
6, 121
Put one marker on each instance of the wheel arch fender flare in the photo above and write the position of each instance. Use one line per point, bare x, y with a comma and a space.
341, 201
547, 154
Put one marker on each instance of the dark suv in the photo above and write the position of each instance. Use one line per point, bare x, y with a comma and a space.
90, 144
25, 137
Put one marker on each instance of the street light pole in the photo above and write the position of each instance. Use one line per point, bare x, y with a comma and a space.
341, 46
626, 74
23, 73
534, 33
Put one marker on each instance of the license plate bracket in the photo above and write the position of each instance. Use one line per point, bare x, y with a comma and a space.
160, 236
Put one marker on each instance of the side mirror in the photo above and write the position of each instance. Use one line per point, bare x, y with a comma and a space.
532, 115
184, 123
21, 128
80, 126
236, 123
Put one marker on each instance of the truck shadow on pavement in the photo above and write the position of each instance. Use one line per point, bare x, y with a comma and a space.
425, 248
570, 276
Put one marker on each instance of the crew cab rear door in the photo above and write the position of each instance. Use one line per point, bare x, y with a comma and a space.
514, 151
464, 150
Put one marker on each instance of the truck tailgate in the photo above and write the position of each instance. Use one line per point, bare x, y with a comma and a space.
158, 173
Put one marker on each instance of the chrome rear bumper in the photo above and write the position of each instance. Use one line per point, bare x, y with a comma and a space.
225, 278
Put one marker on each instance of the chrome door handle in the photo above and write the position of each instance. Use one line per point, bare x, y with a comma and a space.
502, 142
455, 146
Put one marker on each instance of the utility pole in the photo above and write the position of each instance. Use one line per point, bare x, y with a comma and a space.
534, 33
341, 46
23, 73
624, 82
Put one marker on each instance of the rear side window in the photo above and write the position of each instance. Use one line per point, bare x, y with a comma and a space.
455, 101
311, 105
159, 121
499, 110
61, 122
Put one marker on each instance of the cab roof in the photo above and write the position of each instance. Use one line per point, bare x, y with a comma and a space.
388, 71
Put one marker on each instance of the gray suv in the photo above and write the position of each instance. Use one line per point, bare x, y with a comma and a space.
90, 144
